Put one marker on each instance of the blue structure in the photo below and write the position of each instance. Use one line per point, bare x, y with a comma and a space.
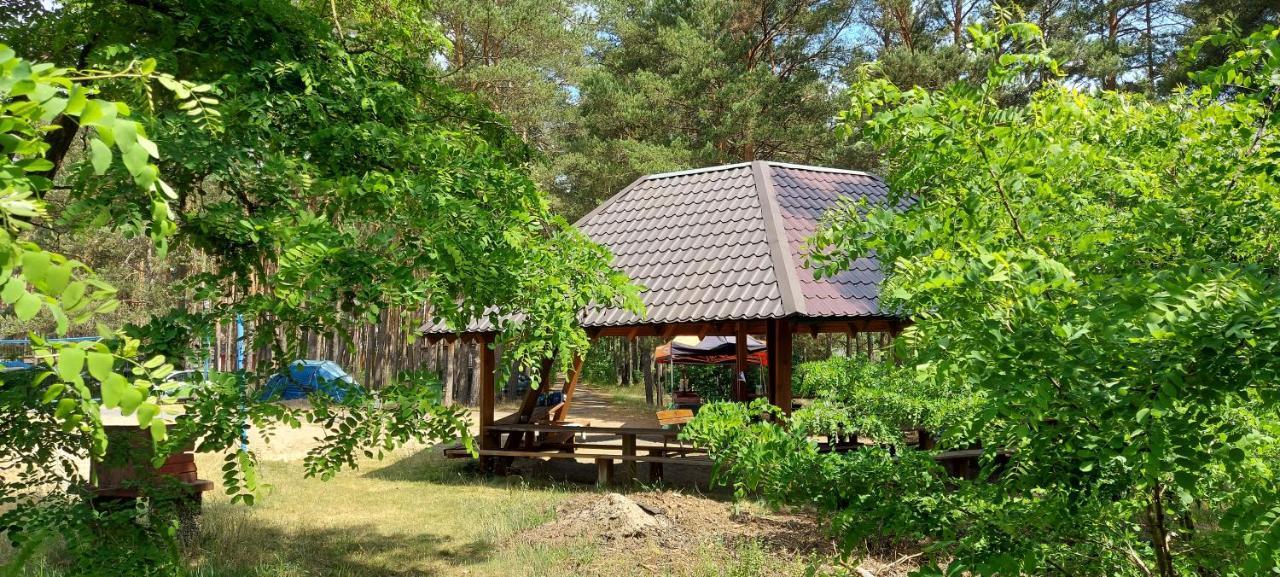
24, 345
310, 376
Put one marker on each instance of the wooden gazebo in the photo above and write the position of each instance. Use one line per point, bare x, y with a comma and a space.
719, 251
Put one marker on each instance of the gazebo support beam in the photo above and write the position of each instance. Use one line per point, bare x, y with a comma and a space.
740, 366
570, 384
779, 339
487, 399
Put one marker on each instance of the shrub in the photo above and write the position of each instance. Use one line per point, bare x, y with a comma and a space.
856, 395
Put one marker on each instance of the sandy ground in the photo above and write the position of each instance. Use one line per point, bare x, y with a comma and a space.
660, 532
283, 443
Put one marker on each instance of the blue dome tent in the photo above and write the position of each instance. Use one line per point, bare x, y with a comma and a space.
309, 376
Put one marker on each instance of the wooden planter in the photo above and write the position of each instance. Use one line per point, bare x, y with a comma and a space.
126, 473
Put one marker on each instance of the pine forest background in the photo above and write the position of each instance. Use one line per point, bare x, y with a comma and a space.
605, 91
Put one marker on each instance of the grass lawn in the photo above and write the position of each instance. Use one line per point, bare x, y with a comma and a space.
417, 514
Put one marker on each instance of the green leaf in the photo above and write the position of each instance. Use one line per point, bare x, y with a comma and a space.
113, 389
54, 391
73, 295
135, 159
13, 289
100, 155
148, 146
65, 407
35, 265
158, 430
27, 307
146, 412
70, 362
98, 113
130, 397
100, 365
57, 278
76, 100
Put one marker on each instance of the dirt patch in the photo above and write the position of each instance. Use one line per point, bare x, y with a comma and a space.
670, 533
606, 517
673, 533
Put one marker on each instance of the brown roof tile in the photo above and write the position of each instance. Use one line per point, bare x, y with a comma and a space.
728, 243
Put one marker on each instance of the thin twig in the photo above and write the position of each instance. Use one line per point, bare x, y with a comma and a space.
1004, 197
333, 9
901, 559
1137, 560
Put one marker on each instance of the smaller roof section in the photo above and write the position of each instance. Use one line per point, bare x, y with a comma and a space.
728, 243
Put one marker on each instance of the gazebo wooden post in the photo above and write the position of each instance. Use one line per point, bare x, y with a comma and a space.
527, 406
740, 367
779, 334
570, 385
488, 363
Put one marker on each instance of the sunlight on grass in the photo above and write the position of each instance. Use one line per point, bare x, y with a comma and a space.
419, 514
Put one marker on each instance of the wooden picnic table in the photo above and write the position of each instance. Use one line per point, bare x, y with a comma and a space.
629, 455
570, 427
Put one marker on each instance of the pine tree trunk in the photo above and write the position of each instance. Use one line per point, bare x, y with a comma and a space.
1159, 532
445, 355
648, 369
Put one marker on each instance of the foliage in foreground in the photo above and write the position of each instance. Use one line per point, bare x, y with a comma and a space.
50, 415
876, 399
327, 185
1102, 270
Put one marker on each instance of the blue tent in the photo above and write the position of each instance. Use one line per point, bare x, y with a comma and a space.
309, 376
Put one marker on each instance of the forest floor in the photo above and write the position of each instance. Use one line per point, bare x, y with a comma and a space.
415, 513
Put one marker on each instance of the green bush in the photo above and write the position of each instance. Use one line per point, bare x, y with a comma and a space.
711, 382
856, 395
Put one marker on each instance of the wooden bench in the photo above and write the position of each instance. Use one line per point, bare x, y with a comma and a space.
674, 417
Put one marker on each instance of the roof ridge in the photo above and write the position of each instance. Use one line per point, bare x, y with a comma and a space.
696, 170
819, 168
621, 193
784, 271
608, 202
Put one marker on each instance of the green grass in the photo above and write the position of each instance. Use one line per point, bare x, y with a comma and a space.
416, 514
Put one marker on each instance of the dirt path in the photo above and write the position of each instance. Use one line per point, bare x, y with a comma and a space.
589, 405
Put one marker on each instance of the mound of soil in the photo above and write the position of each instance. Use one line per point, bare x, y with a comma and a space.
676, 521
659, 532
610, 516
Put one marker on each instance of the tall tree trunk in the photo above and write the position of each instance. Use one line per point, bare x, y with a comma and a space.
1151, 49
1110, 81
957, 21
648, 369
635, 359
60, 140
444, 358
615, 353
1159, 532
476, 380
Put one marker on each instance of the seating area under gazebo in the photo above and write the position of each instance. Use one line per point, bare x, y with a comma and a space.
720, 253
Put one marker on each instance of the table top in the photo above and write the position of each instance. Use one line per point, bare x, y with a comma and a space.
570, 427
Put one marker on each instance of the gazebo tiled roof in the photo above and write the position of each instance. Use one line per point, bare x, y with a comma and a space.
727, 243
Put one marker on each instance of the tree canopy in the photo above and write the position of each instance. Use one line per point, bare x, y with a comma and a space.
329, 183
1097, 273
